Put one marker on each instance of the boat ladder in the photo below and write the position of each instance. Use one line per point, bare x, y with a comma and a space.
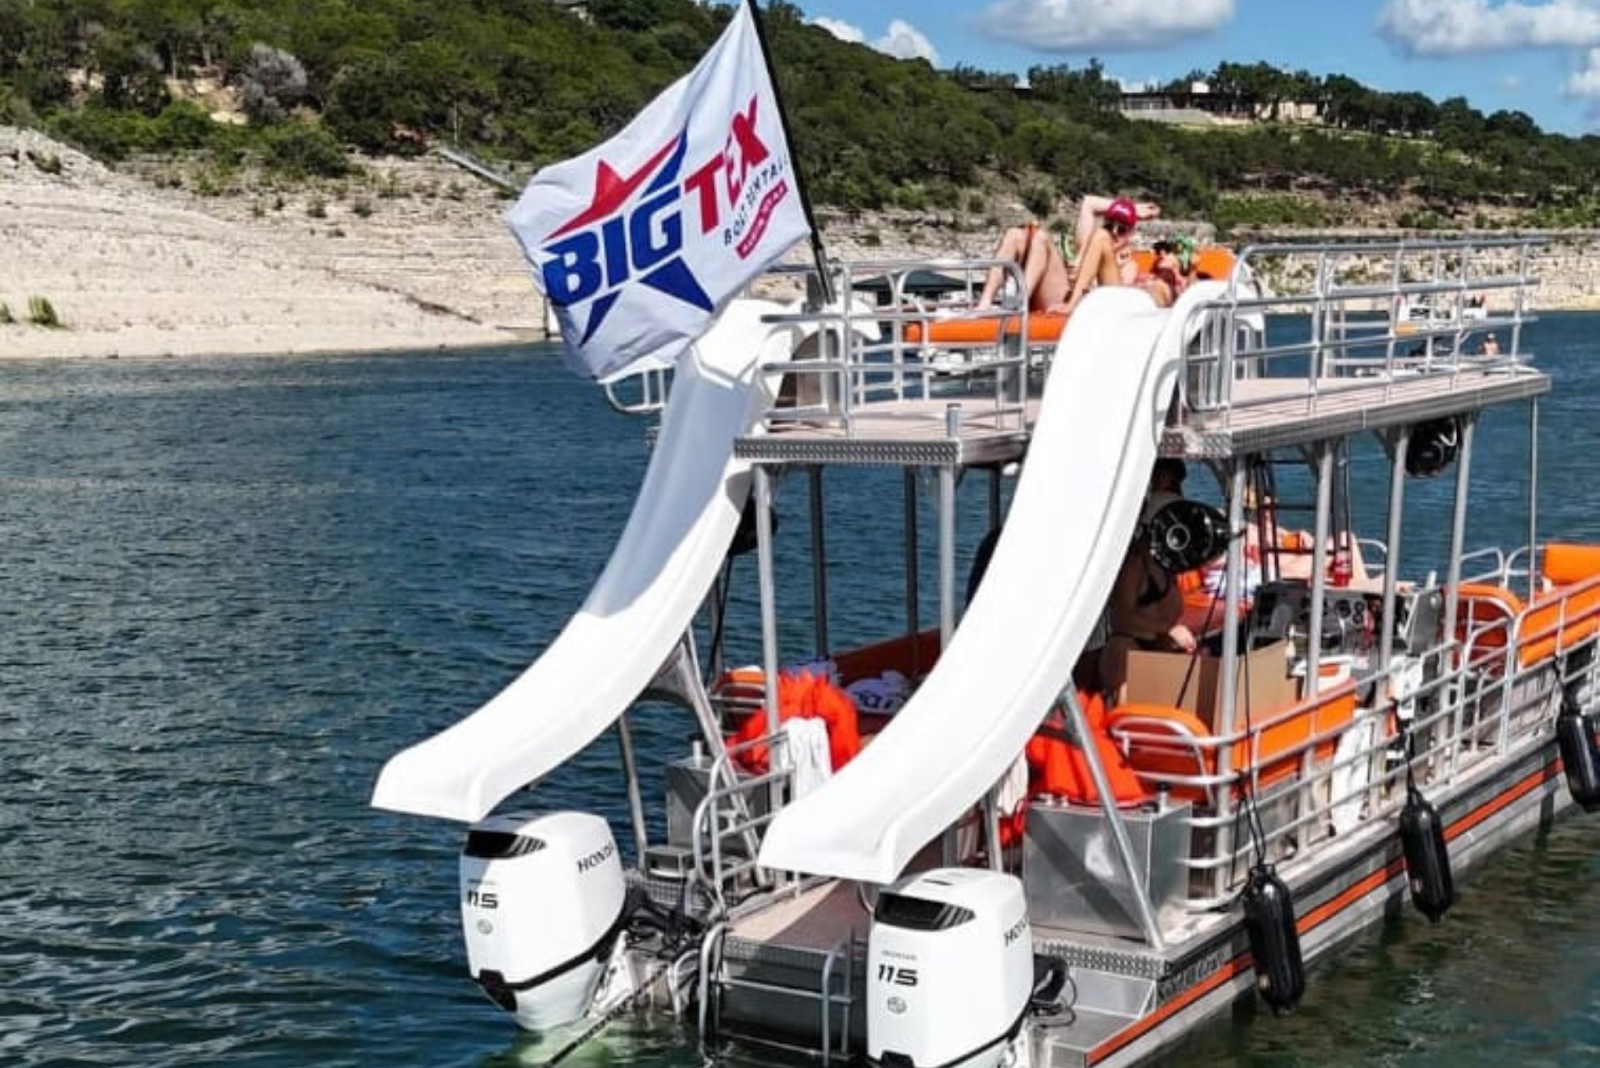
779, 996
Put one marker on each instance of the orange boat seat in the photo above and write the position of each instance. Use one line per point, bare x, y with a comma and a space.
1212, 261
1042, 327
1553, 623
1558, 620
1166, 744
1567, 564
1485, 616
1170, 745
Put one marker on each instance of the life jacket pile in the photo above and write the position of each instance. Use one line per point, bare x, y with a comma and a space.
1059, 767
803, 693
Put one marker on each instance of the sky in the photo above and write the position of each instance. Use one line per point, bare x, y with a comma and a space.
1541, 57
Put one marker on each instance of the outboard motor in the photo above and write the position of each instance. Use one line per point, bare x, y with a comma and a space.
541, 905
949, 970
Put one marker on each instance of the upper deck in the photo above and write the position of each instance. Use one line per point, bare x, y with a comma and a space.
1301, 343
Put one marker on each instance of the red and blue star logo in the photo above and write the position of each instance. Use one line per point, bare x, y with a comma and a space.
632, 231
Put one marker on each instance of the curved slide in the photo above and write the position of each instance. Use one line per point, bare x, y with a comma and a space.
682, 522
1070, 522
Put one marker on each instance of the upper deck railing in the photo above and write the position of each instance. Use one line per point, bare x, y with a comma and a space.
1302, 323
879, 355
1360, 316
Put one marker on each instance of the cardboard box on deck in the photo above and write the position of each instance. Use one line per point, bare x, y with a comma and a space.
1167, 679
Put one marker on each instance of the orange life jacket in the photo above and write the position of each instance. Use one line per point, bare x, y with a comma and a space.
807, 695
1060, 767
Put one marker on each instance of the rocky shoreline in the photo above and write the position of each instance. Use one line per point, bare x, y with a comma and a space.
413, 254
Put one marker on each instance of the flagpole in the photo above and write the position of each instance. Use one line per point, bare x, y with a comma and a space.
783, 123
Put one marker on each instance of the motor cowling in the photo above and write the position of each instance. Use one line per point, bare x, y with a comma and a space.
949, 969
542, 901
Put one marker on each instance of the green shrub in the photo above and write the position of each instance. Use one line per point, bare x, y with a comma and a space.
46, 163
305, 150
317, 208
6, 318
1039, 200
1267, 211
182, 125
102, 132
362, 208
42, 313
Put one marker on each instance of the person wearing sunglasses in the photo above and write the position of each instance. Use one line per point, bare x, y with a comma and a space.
1046, 275
1106, 257
1091, 217
1168, 275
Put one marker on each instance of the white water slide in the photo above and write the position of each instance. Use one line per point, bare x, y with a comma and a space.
1068, 529
675, 539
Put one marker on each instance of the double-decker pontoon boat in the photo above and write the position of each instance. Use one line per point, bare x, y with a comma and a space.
934, 849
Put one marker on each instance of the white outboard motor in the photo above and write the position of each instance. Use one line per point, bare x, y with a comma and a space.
541, 905
949, 970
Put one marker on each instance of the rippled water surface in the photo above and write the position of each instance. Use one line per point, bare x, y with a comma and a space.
232, 588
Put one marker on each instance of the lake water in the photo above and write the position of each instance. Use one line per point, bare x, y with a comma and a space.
232, 588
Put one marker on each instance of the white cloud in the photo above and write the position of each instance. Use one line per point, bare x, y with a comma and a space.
1457, 27
1586, 82
902, 41
1102, 25
905, 41
842, 30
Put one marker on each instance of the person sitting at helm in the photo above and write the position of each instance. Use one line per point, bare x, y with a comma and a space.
1146, 608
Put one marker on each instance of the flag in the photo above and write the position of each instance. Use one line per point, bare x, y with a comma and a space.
639, 243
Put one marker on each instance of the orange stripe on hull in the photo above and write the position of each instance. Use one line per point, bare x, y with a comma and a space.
1316, 917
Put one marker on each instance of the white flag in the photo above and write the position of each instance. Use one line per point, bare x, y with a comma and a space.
640, 242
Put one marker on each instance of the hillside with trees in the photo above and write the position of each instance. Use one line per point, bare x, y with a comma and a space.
529, 82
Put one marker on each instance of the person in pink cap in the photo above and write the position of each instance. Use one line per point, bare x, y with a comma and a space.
1102, 255
1046, 275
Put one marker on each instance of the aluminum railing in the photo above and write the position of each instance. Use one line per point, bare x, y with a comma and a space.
729, 821
867, 355
1481, 702
1340, 317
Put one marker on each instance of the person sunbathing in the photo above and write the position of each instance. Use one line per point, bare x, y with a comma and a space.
1047, 277
1166, 280
1091, 218
1105, 259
